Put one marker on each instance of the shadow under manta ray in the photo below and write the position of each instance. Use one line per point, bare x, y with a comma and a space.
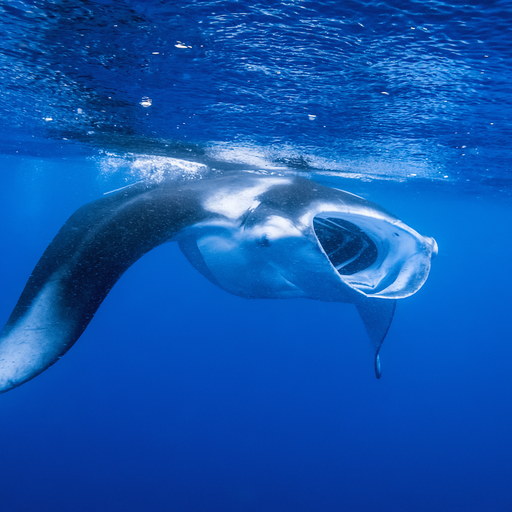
254, 236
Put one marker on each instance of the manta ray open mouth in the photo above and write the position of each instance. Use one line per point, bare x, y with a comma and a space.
349, 249
376, 255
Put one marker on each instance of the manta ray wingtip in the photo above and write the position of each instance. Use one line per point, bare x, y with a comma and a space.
378, 372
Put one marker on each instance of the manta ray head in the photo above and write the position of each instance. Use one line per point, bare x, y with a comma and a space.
317, 243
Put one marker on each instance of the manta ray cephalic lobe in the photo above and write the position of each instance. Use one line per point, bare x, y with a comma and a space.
252, 235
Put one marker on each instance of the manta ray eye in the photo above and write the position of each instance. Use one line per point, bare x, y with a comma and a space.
349, 249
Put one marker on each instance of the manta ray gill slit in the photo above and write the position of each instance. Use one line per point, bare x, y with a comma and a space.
349, 249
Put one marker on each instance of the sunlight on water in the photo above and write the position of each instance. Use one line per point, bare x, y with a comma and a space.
324, 85
134, 167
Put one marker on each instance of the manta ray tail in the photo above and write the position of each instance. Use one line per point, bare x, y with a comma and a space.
377, 315
98, 243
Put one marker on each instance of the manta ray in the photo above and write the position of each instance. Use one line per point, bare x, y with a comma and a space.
253, 235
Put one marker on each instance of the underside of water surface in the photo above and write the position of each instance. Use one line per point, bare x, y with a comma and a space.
390, 90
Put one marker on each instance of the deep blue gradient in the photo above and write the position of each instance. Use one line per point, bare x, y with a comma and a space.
181, 397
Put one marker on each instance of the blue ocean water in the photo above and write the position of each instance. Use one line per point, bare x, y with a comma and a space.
182, 397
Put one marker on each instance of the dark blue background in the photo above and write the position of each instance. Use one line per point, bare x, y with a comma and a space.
182, 397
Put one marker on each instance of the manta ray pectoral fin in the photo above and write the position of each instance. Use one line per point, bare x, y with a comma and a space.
98, 243
377, 315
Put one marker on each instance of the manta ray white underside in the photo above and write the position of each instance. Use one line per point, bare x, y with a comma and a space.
254, 236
